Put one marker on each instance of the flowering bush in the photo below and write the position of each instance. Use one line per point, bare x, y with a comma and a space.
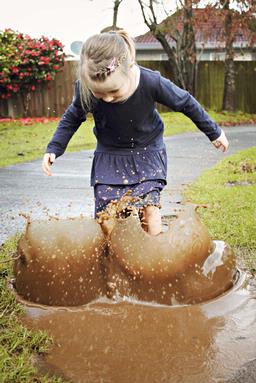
26, 62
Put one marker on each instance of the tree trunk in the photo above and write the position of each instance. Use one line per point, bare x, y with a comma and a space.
115, 13
172, 58
187, 52
229, 75
229, 86
181, 56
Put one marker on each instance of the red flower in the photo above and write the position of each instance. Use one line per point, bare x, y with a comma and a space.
48, 77
14, 69
33, 87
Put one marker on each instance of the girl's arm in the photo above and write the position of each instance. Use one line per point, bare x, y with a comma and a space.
68, 125
179, 100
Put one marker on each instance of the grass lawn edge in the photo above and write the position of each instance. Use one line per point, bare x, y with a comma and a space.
229, 191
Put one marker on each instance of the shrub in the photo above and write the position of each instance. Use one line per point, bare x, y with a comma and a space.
26, 62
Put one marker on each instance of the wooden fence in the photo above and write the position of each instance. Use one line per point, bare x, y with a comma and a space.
210, 85
52, 99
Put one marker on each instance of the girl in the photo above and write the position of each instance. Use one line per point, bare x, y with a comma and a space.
130, 152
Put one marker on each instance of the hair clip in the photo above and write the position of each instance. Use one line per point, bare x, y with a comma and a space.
113, 65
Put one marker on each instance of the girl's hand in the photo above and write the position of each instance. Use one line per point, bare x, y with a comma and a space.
221, 142
48, 160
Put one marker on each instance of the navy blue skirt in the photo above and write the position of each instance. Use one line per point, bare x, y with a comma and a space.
148, 191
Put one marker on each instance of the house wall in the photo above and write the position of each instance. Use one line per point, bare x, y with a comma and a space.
202, 55
51, 100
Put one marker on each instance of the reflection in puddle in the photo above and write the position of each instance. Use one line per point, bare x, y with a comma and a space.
124, 341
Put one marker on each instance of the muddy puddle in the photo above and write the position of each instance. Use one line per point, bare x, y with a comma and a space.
129, 307
128, 341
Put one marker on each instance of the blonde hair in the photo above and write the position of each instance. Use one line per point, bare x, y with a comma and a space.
100, 55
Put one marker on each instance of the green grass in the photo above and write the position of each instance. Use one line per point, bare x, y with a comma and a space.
18, 345
176, 123
231, 212
20, 143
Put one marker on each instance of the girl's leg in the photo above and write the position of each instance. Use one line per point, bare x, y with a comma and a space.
152, 221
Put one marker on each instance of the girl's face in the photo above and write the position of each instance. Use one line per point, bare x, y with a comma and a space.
116, 88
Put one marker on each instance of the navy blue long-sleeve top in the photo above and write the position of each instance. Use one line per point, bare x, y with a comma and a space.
129, 134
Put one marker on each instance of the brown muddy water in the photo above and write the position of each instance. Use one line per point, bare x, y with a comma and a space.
131, 341
182, 312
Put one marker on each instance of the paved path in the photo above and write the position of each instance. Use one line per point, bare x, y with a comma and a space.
24, 188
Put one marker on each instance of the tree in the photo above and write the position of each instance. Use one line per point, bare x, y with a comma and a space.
176, 35
116, 4
187, 51
115, 13
236, 21
160, 34
229, 76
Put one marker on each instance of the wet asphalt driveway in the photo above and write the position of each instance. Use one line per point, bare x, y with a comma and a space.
24, 187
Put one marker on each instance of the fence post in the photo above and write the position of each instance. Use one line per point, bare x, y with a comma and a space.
10, 108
